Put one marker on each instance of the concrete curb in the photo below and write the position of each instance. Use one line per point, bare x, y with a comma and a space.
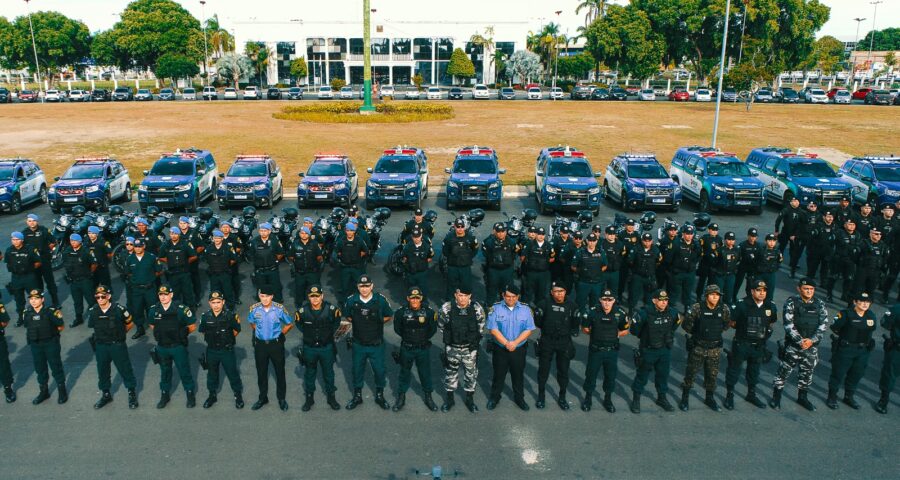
513, 191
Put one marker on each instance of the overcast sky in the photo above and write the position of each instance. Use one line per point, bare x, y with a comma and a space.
102, 14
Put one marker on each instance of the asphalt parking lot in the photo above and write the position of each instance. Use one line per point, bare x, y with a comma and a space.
75, 441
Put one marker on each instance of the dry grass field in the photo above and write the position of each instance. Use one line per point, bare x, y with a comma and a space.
137, 134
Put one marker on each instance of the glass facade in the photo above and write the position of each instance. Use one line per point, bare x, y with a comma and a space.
284, 52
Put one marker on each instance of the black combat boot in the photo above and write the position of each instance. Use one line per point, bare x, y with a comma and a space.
356, 400
793, 273
608, 404
400, 403
588, 401
752, 398
210, 400
710, 402
191, 399
684, 404
332, 402
635, 402
882, 404
105, 398
562, 402
62, 394
379, 399
9, 393
132, 399
729, 399
429, 402
163, 399
540, 403
238, 401
449, 402
775, 402
850, 401
42, 395
804, 402
469, 400
260, 402
831, 400
307, 405
76, 322
140, 332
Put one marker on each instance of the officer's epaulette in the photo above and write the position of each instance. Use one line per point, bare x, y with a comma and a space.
278, 304
255, 305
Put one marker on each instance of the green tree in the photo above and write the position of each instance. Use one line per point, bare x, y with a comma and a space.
524, 66
60, 42
576, 66
460, 65
150, 29
6, 44
105, 51
234, 67
418, 80
594, 9
298, 68
826, 55
625, 37
887, 39
337, 84
220, 40
259, 55
176, 66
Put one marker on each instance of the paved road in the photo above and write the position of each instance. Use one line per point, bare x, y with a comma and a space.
75, 441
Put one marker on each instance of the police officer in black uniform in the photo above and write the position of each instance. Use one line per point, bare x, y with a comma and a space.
415, 324
843, 211
724, 270
220, 260
752, 319
588, 265
233, 241
670, 235
266, 254
846, 254
872, 263
111, 322
219, 326
500, 262
38, 238
557, 317
654, 326
318, 321
684, 259
23, 264
850, 349
178, 254
6, 374
367, 312
42, 327
616, 254
820, 248
767, 264
80, 265
710, 246
561, 270
750, 250
789, 226
142, 270
890, 369
144, 234
351, 252
306, 259
418, 221
416, 256
642, 265
605, 323
459, 249
864, 220
192, 237
102, 251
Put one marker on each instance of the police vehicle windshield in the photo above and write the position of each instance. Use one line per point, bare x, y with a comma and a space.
727, 169
83, 172
647, 170
470, 165
326, 169
396, 165
812, 169
888, 174
7, 172
172, 166
569, 169
247, 169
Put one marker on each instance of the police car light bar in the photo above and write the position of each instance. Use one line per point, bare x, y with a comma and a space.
330, 155
475, 150
249, 155
638, 155
879, 157
189, 153
568, 153
92, 159
400, 151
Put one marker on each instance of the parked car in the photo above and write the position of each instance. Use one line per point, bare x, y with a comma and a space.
295, 93
273, 93
346, 93
330, 179
101, 95
77, 96
251, 92
878, 97
230, 94
702, 95
433, 93
189, 94
166, 95
400, 177
251, 180
717, 180
861, 93
210, 93
556, 93
632, 91
534, 93
455, 93
638, 181
729, 94
94, 183
763, 95
788, 95
600, 94
896, 100
617, 93
54, 96
123, 94
475, 178
506, 93
580, 92
181, 179
22, 183
412, 93
564, 180
679, 94
480, 92
875, 179
27, 96
386, 91
143, 95
787, 175
5, 95
842, 96
814, 95
325, 93
647, 95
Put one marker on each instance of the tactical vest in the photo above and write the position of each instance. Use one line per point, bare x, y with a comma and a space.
857, 329
645, 261
873, 257
556, 320
218, 259
368, 326
218, 331
109, 326
806, 317
538, 257
415, 325
613, 255
768, 261
591, 265
658, 331
176, 257
417, 257
462, 330
709, 326
168, 331
605, 327
350, 250
99, 251
18, 261
133, 267
77, 265
502, 254
318, 325
730, 260
39, 326
460, 253
305, 257
264, 254
684, 259
755, 327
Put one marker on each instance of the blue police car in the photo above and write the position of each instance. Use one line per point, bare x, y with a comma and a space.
182, 179
639, 181
400, 177
787, 175
22, 182
475, 178
251, 179
717, 180
93, 183
564, 180
875, 179
330, 179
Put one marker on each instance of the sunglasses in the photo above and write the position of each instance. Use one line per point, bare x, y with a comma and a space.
101, 295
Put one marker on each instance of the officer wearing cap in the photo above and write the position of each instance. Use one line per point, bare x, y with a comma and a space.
38, 238
749, 249
704, 325
42, 327
850, 349
813, 218
558, 319
270, 323
616, 254
843, 211
767, 264
789, 226
418, 221
306, 260
654, 326
192, 237
220, 260
710, 247
351, 253
142, 271
666, 242
6, 374
367, 312
510, 324
318, 321
171, 323
459, 249
102, 251
23, 264
684, 259
415, 324
499, 260
821, 247
416, 256
461, 322
848, 243
864, 219
151, 241
233, 241
605, 323
891, 366
80, 265
219, 326
536, 258
723, 271
805, 321
890, 234
177, 255
753, 319
111, 322
588, 265
642, 264
266, 254
872, 262
561, 269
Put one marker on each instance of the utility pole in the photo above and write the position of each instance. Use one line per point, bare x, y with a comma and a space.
367, 62
721, 74
37, 65
205, 47
872, 39
743, 28
855, 45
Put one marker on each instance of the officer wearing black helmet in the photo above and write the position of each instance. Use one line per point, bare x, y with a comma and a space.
500, 261
416, 256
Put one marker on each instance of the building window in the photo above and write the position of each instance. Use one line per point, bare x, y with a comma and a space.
506, 47
337, 48
424, 69
381, 49
356, 46
422, 49
315, 48
402, 75
401, 48
444, 48
336, 70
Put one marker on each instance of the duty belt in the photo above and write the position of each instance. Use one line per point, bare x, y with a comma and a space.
752, 343
709, 344
845, 343
267, 342
146, 285
267, 269
317, 344
372, 344
463, 345
222, 349
411, 346
603, 348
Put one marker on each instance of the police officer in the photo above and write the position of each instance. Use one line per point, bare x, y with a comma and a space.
616, 253
872, 262
821, 247
846, 253
367, 312
749, 249
80, 265
710, 248
23, 264
177, 254
416, 256
351, 252
752, 319
151, 241
219, 326
510, 324
843, 211
654, 327
805, 321
850, 349
111, 322
767, 264
39, 239
318, 321
172, 323
6, 375
725, 268
704, 325
306, 259
588, 266
233, 241
500, 261
666, 241
632, 239
192, 237
102, 251
605, 323
270, 323
683, 263
789, 226
220, 261
536, 258
891, 367
142, 270
266, 254
557, 317
415, 324
42, 327
561, 269
459, 249
461, 322
864, 220
418, 221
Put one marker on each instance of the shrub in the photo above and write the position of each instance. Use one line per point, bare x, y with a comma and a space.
348, 112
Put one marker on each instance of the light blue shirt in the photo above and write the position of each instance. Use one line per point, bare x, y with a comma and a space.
268, 323
510, 322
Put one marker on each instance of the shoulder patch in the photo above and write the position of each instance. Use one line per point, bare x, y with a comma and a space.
57, 313
188, 313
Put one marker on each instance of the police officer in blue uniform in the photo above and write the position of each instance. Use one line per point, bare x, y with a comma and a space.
270, 322
172, 323
318, 321
510, 324
367, 312
219, 326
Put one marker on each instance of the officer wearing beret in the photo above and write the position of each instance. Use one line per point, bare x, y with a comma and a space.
352, 254
415, 324
6, 374
459, 248
23, 264
536, 258
510, 324
654, 327
642, 264
416, 256
220, 261
178, 255
144, 234
42, 327
233, 241
367, 312
318, 321
891, 366
219, 326
752, 319
850, 349
588, 266
192, 237
270, 323
557, 318
306, 259
266, 253
38, 238
500, 261
142, 271
605, 323
102, 251
80, 265
111, 322
172, 323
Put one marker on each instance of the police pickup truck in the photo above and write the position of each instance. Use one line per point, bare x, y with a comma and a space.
251, 180
564, 180
475, 178
639, 181
787, 175
330, 179
875, 179
181, 179
400, 177
717, 180
93, 183
21, 182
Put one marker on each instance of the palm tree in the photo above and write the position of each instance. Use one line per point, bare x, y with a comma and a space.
486, 42
259, 54
233, 67
220, 40
595, 9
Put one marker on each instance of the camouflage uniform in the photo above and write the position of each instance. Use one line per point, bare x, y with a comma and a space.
801, 320
461, 329
706, 326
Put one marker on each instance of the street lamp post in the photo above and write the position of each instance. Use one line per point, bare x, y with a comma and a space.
205, 47
872, 38
367, 62
37, 65
743, 29
855, 44
721, 74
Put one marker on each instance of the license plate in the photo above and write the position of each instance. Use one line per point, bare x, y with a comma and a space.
658, 200
161, 200
392, 197
70, 199
743, 202
321, 195
240, 197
